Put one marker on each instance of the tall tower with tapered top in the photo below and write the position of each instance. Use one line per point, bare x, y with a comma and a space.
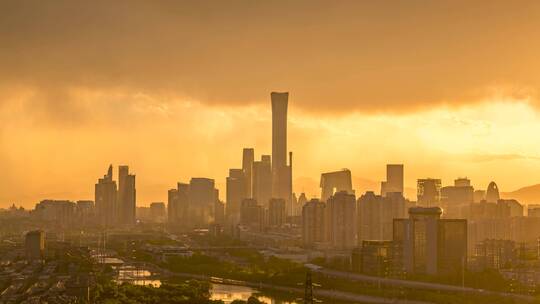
281, 172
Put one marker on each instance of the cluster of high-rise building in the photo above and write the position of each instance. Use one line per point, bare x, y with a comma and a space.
258, 192
116, 205
441, 232
195, 204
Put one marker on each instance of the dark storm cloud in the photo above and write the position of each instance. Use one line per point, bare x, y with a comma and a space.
334, 56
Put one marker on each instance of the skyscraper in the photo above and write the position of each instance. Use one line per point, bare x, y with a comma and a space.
126, 196
394, 179
430, 245
248, 157
341, 220
236, 192
335, 182
202, 196
429, 192
105, 198
281, 172
313, 222
492, 193
177, 204
262, 180
35, 244
276, 212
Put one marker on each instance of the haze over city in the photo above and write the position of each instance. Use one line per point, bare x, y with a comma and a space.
251, 152
178, 89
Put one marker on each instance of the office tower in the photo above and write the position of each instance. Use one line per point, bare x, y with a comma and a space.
276, 212
456, 199
313, 222
202, 196
262, 180
34, 244
429, 192
105, 198
251, 214
281, 172
177, 204
126, 200
516, 209
394, 179
248, 157
335, 182
373, 257
429, 244
376, 214
158, 212
172, 206
236, 192
492, 193
341, 220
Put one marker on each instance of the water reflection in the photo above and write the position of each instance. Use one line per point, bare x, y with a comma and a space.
137, 276
229, 293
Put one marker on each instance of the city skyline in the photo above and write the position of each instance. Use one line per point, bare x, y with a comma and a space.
252, 152
302, 183
408, 96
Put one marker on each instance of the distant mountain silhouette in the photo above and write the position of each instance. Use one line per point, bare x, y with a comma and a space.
525, 195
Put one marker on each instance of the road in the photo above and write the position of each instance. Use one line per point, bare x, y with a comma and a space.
416, 284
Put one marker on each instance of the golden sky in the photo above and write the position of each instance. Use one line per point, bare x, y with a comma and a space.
177, 88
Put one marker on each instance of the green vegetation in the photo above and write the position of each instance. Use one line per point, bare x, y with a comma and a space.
192, 292
249, 265
251, 300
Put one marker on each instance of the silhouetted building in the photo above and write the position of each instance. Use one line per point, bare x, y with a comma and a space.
337, 181
262, 180
34, 244
394, 179
251, 214
248, 157
374, 257
376, 214
276, 212
430, 245
60, 212
105, 199
158, 212
236, 192
341, 220
516, 209
281, 172
492, 193
313, 222
429, 192
177, 204
202, 196
456, 198
126, 200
